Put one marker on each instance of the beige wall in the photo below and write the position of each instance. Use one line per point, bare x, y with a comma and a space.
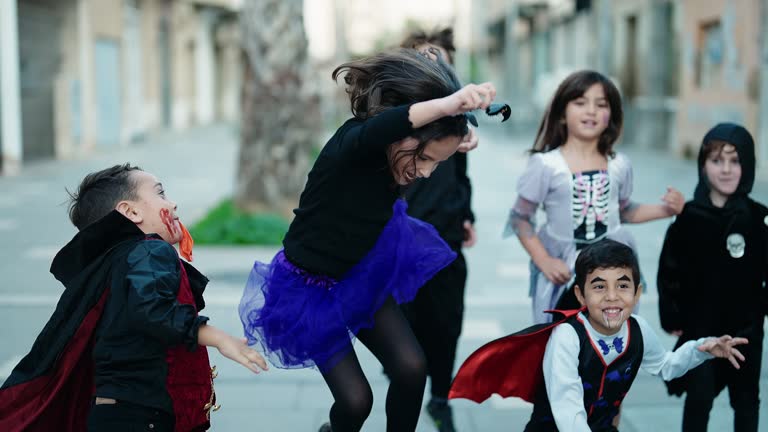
84, 21
733, 92
66, 120
151, 14
106, 18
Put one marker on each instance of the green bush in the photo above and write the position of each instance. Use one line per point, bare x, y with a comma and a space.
226, 225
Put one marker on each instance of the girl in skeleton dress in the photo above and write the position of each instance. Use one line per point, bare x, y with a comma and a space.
583, 186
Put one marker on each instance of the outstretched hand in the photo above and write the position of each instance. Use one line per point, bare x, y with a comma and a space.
674, 201
469, 98
723, 347
237, 350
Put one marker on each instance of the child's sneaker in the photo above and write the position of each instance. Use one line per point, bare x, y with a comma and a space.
441, 415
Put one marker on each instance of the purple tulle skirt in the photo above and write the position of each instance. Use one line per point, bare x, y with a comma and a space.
298, 319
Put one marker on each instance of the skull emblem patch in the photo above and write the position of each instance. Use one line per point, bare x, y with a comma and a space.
735, 244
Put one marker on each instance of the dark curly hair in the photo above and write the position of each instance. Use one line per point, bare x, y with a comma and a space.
99, 193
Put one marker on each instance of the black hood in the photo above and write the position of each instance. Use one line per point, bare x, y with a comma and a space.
91, 243
745, 147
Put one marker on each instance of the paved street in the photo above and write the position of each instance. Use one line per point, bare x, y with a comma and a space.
198, 169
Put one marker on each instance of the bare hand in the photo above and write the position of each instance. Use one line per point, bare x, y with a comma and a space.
469, 142
723, 347
555, 270
237, 350
470, 236
674, 201
470, 97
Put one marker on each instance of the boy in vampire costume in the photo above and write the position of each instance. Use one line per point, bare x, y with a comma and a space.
578, 370
121, 351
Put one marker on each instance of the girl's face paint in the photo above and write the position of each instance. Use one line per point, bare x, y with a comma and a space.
606, 119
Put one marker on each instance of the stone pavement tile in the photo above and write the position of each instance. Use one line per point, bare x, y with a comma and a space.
276, 420
487, 418
667, 418
315, 395
257, 395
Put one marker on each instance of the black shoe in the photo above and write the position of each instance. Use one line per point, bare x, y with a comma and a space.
326, 427
441, 415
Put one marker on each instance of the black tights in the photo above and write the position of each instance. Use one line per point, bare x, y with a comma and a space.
394, 345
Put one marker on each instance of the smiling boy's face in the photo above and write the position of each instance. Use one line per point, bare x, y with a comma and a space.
609, 295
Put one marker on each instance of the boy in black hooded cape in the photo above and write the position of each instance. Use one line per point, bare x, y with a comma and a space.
712, 272
122, 351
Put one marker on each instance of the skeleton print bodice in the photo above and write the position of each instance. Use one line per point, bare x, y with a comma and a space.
590, 200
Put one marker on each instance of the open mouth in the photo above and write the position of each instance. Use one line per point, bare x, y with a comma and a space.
613, 317
589, 123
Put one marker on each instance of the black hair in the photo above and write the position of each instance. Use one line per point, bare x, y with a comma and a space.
442, 38
553, 132
400, 77
99, 193
605, 254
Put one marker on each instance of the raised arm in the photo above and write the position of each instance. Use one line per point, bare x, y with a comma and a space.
372, 136
672, 204
469, 98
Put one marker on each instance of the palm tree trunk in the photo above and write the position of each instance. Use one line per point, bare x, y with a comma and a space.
280, 107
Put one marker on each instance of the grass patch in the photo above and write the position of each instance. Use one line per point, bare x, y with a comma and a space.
226, 225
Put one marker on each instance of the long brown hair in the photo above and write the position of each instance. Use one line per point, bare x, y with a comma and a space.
401, 77
553, 132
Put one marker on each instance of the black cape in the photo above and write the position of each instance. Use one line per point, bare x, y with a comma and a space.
51, 387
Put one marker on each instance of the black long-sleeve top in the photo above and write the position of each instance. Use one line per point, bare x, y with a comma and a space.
443, 199
349, 195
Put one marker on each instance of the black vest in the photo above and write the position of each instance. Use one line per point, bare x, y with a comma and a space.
605, 386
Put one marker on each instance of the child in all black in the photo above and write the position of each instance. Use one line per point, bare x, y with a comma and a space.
712, 274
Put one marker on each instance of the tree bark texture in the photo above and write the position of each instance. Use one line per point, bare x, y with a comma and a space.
280, 107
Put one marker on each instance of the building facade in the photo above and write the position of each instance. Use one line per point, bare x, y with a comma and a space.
94, 74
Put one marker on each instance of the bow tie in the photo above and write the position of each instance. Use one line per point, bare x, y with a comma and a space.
618, 345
